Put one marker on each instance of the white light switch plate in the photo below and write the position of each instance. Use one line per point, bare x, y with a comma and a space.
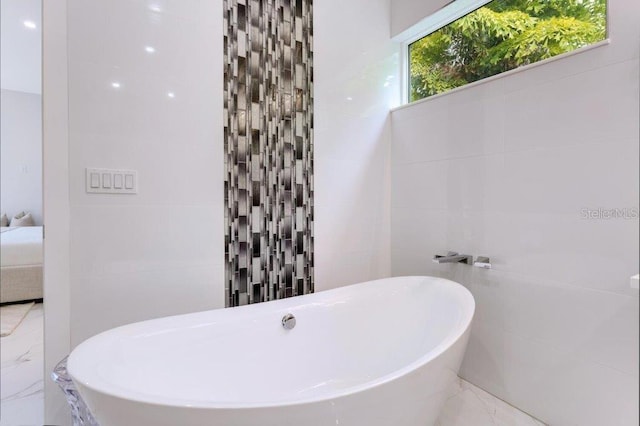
111, 181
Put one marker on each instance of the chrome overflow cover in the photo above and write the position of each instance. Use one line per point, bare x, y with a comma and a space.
288, 321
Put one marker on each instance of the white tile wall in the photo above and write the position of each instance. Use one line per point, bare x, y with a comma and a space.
355, 85
127, 249
504, 169
600, 114
562, 389
159, 252
156, 253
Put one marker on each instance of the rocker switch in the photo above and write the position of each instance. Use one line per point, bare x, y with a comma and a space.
106, 180
95, 180
117, 181
128, 181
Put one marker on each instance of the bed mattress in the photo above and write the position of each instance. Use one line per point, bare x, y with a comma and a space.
21, 246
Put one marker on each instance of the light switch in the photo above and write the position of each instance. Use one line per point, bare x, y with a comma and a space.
106, 180
128, 181
111, 181
95, 180
117, 181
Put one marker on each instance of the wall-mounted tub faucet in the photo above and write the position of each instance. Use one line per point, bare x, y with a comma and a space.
454, 257
482, 262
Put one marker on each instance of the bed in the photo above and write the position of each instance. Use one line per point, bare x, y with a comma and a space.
21, 263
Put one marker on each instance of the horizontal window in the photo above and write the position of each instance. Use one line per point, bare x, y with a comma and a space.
501, 36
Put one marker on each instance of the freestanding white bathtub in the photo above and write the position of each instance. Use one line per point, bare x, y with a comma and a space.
379, 353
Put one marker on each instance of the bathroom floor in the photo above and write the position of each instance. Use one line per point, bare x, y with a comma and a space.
21, 387
471, 406
21, 374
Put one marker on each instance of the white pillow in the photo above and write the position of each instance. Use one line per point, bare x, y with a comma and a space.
22, 219
4, 220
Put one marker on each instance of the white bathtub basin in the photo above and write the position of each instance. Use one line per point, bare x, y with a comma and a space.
373, 354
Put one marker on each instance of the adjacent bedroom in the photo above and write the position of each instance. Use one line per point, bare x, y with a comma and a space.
21, 251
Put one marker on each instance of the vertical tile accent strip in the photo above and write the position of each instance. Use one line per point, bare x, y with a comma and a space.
268, 142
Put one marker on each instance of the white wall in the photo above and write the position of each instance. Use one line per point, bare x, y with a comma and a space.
406, 13
504, 169
161, 252
21, 153
111, 259
56, 203
21, 47
356, 83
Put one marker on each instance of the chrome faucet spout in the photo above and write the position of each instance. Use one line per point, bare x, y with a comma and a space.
454, 257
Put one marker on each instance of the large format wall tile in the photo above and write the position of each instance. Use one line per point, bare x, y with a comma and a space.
158, 252
506, 169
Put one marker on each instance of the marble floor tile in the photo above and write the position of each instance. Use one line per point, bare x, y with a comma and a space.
21, 373
471, 406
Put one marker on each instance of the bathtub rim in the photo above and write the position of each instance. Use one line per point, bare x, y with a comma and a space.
460, 328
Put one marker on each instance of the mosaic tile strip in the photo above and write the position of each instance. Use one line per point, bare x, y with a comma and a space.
268, 114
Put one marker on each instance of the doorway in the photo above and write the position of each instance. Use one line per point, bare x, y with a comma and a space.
21, 210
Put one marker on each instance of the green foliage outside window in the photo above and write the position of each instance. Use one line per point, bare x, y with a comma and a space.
501, 36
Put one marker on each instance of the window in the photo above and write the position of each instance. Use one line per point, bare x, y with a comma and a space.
498, 37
